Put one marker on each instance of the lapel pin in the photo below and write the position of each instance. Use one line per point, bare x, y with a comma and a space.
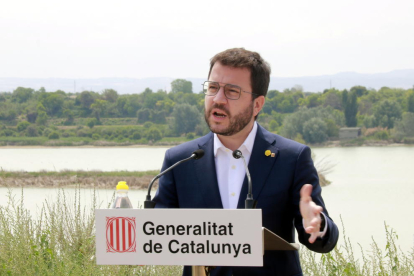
273, 154
268, 152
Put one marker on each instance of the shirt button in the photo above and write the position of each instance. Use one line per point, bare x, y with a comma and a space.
233, 194
233, 167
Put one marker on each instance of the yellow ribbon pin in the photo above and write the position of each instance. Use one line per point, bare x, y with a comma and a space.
268, 152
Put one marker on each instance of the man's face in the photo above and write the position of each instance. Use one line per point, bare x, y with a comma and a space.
228, 117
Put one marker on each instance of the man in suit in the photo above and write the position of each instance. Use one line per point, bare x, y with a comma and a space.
285, 181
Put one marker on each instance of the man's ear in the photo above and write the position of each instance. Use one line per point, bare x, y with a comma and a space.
258, 105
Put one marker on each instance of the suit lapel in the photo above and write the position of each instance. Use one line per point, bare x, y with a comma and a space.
260, 165
207, 176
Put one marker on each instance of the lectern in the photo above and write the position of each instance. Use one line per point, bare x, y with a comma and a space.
192, 237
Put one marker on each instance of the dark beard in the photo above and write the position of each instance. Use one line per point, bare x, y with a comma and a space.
236, 123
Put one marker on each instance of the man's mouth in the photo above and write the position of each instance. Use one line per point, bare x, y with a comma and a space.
219, 114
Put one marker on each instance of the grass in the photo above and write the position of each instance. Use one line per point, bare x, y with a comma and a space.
61, 241
342, 261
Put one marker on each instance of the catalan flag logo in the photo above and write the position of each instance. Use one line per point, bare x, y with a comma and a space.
120, 234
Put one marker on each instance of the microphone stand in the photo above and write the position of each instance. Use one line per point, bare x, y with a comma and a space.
150, 204
249, 203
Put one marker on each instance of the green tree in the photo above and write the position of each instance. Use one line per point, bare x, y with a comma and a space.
313, 100
404, 127
350, 106
70, 118
22, 94
31, 117
53, 102
110, 95
273, 125
41, 119
158, 117
410, 102
22, 126
331, 98
11, 115
387, 112
31, 131
54, 135
154, 134
186, 117
315, 131
144, 115
85, 99
91, 123
181, 85
98, 108
132, 105
294, 123
359, 90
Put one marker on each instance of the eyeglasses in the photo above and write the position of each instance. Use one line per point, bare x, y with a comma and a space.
232, 92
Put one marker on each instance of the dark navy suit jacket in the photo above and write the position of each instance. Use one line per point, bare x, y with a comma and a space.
276, 185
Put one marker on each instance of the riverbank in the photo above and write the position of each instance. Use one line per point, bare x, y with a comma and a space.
81, 179
91, 179
358, 142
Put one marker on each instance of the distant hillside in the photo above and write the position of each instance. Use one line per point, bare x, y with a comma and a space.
396, 79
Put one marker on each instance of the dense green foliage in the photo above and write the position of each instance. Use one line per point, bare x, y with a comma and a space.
29, 117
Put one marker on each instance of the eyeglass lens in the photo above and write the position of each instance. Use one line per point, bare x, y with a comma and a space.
231, 91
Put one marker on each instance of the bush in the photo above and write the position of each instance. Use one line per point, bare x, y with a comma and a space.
7, 132
369, 121
381, 135
154, 134
190, 136
314, 131
22, 126
404, 127
273, 125
148, 125
408, 140
377, 132
83, 133
46, 132
136, 135
31, 131
65, 134
96, 136
53, 135
91, 123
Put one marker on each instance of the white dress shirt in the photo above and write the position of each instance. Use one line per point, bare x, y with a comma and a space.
231, 172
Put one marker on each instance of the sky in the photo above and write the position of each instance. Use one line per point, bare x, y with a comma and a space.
143, 39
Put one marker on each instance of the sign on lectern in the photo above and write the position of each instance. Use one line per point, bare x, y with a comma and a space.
179, 237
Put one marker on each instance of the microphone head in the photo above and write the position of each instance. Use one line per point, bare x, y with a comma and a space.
237, 154
198, 154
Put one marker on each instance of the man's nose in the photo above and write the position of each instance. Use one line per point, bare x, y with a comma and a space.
220, 98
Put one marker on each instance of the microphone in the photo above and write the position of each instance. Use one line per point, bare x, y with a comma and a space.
148, 203
249, 203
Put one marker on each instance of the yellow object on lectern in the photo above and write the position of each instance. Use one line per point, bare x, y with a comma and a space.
122, 186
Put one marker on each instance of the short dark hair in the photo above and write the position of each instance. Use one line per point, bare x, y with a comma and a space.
242, 58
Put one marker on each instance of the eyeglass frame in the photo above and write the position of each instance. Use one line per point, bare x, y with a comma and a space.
241, 90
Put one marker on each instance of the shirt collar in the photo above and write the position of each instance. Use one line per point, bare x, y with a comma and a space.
247, 144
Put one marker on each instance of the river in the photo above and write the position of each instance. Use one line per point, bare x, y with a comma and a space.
370, 185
